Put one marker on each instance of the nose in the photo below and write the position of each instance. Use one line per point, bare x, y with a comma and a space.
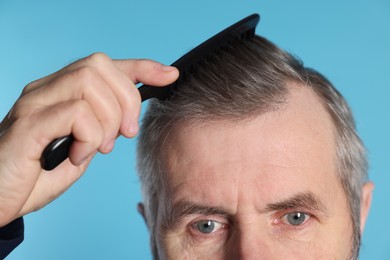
250, 243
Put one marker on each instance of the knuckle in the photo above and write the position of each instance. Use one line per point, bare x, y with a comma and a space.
87, 76
84, 119
28, 87
81, 108
98, 59
135, 95
112, 122
21, 109
142, 62
117, 114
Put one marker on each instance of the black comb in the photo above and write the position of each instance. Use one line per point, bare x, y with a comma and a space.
58, 150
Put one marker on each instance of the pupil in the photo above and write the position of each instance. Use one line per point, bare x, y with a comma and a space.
206, 226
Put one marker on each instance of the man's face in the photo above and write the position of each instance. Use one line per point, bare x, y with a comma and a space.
265, 188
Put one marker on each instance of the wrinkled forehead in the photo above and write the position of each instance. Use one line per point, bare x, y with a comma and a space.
300, 128
280, 152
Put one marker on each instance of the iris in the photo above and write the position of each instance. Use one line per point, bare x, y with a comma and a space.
296, 218
205, 227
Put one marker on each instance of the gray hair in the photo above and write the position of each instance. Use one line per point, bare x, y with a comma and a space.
240, 82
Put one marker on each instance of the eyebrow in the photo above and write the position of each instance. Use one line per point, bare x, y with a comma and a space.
185, 208
305, 200
299, 201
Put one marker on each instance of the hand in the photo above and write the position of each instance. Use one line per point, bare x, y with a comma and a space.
95, 99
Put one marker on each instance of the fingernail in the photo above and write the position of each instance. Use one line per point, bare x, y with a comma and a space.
133, 129
168, 68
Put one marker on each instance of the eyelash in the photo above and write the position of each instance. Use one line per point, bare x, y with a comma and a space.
199, 235
280, 220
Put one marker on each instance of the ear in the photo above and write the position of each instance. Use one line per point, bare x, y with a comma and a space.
365, 203
141, 211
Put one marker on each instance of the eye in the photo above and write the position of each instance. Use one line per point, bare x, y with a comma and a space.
207, 226
295, 218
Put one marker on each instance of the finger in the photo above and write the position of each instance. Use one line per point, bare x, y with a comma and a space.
160, 75
148, 72
124, 90
76, 117
86, 84
122, 83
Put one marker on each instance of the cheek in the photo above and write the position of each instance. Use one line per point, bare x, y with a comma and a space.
331, 240
315, 241
318, 248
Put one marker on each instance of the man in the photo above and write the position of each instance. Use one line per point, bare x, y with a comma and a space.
254, 157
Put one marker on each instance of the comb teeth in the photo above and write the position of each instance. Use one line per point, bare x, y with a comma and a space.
243, 36
240, 31
250, 34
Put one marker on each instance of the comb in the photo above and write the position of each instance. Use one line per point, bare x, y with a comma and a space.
58, 150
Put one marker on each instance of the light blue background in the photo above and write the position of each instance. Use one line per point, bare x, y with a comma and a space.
348, 41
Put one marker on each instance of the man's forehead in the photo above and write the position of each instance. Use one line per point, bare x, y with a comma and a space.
302, 116
288, 150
